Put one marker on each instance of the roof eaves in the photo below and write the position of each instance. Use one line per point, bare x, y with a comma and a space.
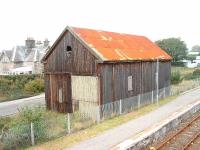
54, 44
68, 28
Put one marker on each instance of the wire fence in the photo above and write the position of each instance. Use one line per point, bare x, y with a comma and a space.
51, 125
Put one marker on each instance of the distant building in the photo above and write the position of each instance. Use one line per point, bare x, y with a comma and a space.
193, 53
192, 64
24, 59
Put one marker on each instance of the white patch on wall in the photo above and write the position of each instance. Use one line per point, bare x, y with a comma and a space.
85, 91
130, 83
60, 97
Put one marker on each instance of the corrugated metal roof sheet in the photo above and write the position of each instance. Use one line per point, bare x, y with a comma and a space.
116, 46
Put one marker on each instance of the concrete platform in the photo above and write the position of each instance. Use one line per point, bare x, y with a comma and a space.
159, 130
110, 138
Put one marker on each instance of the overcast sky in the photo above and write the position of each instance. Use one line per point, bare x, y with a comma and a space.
156, 19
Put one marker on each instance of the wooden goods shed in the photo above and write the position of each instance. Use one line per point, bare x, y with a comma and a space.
86, 66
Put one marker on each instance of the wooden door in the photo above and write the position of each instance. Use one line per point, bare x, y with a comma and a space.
60, 89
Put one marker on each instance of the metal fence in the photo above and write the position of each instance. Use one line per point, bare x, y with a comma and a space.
56, 125
126, 105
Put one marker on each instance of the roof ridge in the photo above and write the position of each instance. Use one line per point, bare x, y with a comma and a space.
99, 30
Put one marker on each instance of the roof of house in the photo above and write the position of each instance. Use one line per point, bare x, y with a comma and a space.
111, 46
7, 53
18, 54
23, 54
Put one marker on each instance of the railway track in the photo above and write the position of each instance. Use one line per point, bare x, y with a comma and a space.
187, 137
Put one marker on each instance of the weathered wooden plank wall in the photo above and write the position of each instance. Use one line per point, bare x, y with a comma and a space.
114, 79
53, 83
80, 62
57, 67
85, 93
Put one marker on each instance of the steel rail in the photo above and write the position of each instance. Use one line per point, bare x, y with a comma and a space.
172, 137
191, 141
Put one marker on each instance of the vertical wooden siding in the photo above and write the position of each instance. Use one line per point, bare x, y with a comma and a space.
81, 60
114, 79
85, 94
56, 82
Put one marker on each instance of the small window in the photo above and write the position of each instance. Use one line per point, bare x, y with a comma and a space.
68, 50
60, 98
130, 83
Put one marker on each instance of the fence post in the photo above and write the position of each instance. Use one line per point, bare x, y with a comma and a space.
98, 114
32, 134
68, 123
164, 93
152, 96
157, 81
138, 101
120, 106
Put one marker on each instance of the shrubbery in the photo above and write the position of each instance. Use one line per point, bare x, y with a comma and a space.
180, 74
176, 77
196, 72
19, 86
34, 86
17, 130
194, 75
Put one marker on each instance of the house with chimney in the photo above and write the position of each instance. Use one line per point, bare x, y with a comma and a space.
24, 59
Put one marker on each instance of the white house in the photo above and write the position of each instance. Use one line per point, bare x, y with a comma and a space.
24, 59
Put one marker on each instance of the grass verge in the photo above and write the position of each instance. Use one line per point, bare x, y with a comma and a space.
71, 139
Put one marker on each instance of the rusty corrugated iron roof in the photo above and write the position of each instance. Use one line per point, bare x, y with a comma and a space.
112, 46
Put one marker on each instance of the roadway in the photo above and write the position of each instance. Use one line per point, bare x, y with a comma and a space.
13, 107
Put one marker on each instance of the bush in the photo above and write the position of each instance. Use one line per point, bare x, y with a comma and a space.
5, 85
196, 72
189, 76
34, 86
176, 77
194, 75
18, 133
13, 86
4, 122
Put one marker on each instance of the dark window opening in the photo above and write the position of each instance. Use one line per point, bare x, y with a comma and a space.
68, 50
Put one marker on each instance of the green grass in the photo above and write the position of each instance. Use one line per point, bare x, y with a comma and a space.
7, 98
183, 70
71, 139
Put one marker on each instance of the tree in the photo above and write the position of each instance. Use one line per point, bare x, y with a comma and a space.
174, 47
196, 48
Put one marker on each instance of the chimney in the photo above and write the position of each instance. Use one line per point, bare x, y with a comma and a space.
46, 42
30, 42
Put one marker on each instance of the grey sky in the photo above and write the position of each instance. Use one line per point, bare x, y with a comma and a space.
155, 19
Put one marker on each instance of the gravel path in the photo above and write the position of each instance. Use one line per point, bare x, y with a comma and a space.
114, 136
